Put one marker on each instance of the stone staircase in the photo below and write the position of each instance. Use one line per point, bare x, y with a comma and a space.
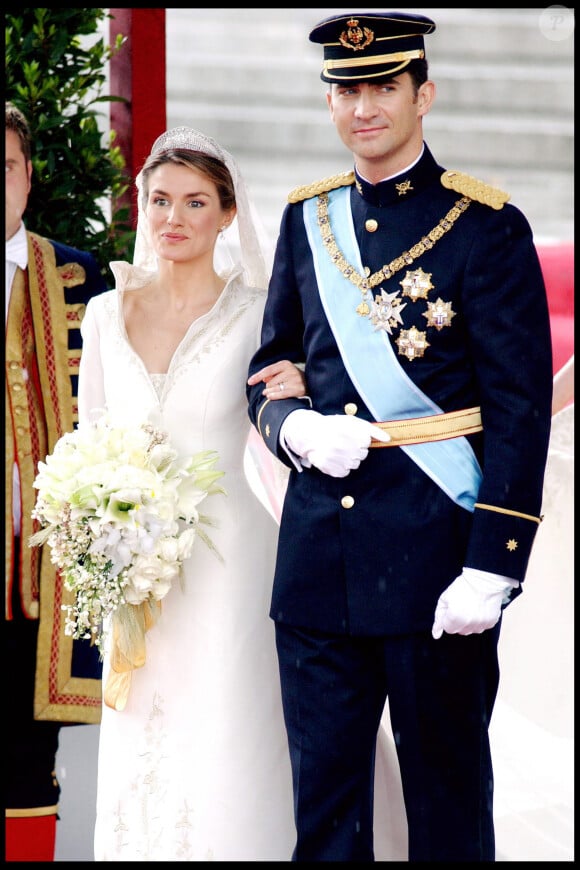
504, 108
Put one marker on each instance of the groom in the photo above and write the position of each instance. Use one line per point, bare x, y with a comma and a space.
416, 297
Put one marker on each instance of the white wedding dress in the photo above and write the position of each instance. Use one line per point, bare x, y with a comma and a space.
196, 766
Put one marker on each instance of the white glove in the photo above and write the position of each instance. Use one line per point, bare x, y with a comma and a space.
472, 603
334, 443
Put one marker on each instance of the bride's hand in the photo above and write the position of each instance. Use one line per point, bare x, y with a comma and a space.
283, 380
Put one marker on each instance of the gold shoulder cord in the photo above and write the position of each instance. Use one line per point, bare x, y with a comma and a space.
474, 189
307, 191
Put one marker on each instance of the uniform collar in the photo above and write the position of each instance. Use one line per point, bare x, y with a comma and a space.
403, 186
17, 248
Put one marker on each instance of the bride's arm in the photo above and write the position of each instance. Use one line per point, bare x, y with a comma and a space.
91, 391
283, 379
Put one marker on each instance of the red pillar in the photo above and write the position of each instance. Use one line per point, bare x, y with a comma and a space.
138, 73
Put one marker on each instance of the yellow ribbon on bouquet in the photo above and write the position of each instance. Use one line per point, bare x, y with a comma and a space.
129, 625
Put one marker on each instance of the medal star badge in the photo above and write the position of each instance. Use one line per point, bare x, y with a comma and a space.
386, 311
416, 284
439, 314
412, 343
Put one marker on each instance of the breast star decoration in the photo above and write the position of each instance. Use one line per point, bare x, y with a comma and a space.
416, 284
412, 343
439, 314
385, 312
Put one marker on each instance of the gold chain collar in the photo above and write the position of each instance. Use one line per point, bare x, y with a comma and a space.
365, 284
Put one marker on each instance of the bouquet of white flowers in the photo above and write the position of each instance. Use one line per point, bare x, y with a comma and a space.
119, 510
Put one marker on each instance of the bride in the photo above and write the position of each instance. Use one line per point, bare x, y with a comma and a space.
196, 766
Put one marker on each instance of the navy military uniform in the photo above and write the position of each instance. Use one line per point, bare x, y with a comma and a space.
455, 298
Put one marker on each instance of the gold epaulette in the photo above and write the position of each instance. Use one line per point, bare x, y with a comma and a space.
305, 191
474, 189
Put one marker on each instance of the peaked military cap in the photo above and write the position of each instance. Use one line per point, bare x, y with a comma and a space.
370, 45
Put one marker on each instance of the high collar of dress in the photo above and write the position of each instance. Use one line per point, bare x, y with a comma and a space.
403, 186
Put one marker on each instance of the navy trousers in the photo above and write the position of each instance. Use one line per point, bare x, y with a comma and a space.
441, 695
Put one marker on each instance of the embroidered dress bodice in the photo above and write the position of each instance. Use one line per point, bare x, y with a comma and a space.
158, 381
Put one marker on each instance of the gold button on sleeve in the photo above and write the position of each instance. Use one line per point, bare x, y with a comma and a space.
350, 409
347, 501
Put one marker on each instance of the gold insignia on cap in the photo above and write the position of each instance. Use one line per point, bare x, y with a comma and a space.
371, 225
412, 343
512, 545
356, 37
439, 314
403, 188
416, 284
474, 189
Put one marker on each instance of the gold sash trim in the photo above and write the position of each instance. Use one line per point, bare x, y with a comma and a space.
437, 427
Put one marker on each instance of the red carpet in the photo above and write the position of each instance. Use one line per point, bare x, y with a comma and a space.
557, 261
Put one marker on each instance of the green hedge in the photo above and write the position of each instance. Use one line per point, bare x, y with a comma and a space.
56, 62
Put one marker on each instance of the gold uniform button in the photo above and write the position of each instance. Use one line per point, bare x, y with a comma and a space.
347, 501
350, 408
371, 225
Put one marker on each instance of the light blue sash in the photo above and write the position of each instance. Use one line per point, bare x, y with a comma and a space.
370, 360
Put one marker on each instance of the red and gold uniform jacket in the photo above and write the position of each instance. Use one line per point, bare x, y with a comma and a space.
43, 347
